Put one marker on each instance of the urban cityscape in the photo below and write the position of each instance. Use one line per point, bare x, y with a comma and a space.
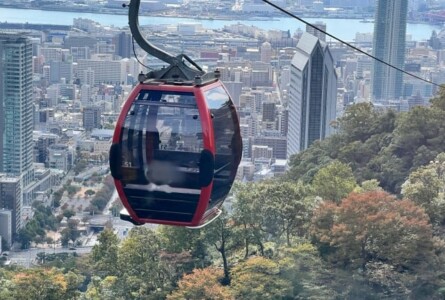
62, 88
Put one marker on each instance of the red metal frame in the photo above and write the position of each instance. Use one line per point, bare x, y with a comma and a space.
201, 216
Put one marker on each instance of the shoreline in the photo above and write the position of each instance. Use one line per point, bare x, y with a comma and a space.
17, 18
231, 17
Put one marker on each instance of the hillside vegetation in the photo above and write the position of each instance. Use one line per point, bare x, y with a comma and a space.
359, 215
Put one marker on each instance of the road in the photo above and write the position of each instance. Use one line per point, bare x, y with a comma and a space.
113, 197
27, 258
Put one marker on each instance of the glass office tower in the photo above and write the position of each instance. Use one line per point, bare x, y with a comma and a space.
16, 123
312, 94
389, 46
16, 102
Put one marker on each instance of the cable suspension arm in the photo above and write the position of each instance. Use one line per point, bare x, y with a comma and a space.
133, 21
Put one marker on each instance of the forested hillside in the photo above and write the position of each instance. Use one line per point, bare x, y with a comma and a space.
378, 145
359, 215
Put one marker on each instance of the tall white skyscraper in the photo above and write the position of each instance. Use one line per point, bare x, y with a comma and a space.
389, 46
312, 94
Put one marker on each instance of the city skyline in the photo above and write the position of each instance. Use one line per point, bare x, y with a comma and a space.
80, 70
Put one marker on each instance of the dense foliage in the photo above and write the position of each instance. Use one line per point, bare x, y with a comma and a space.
359, 216
378, 145
101, 198
35, 230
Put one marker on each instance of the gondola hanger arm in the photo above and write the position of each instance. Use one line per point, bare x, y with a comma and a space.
179, 61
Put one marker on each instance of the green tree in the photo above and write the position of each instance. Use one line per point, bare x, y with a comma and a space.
220, 234
57, 197
425, 187
377, 145
103, 289
246, 224
334, 182
303, 267
25, 237
259, 278
271, 211
420, 126
368, 186
388, 169
358, 121
142, 273
68, 213
438, 102
72, 190
102, 197
180, 240
80, 166
116, 207
284, 209
105, 254
6, 285
74, 281
34, 230
89, 192
70, 233
418, 138
305, 164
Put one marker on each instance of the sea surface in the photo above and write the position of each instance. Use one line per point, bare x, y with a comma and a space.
342, 28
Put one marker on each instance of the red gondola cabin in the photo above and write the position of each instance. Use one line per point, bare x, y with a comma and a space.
175, 152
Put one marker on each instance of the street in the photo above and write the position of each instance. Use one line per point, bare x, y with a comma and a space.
27, 258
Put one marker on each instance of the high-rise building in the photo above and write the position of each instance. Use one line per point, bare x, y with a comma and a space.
283, 122
269, 111
16, 124
61, 69
123, 44
16, 106
42, 144
91, 117
312, 94
276, 143
105, 70
235, 90
59, 157
320, 25
6, 226
86, 93
11, 199
266, 52
389, 46
87, 77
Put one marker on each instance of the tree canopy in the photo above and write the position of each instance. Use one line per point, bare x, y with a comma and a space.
379, 145
373, 226
359, 215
